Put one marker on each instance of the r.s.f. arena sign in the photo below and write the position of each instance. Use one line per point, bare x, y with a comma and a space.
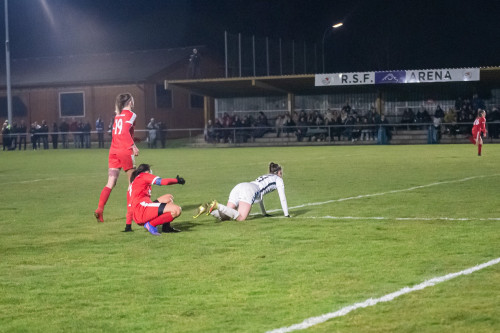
395, 77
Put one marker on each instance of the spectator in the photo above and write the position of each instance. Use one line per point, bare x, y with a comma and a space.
210, 134
86, 129
152, 133
73, 127
44, 134
162, 133
439, 113
278, 124
55, 135
21, 134
194, 65
6, 135
13, 137
64, 128
99, 127
34, 135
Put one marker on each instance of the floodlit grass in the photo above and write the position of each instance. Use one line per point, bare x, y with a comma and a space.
60, 271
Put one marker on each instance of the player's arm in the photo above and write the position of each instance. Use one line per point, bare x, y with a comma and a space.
168, 181
281, 193
262, 208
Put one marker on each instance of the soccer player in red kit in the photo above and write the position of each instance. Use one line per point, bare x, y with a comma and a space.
146, 212
479, 128
122, 151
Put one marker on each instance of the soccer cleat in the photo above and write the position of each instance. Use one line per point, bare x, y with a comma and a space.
168, 228
202, 209
152, 230
128, 228
98, 215
212, 206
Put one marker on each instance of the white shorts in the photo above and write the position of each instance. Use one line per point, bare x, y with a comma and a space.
246, 192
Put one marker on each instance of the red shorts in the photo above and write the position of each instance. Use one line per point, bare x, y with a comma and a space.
119, 161
145, 211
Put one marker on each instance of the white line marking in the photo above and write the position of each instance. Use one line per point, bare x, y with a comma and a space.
397, 218
386, 298
362, 196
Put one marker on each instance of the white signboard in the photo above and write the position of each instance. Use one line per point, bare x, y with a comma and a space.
397, 77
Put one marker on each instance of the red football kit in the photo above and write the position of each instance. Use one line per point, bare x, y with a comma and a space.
139, 196
478, 127
121, 154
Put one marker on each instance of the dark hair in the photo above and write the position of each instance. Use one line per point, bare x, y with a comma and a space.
142, 168
274, 168
121, 101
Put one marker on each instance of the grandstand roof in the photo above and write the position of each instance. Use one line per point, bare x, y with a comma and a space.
279, 85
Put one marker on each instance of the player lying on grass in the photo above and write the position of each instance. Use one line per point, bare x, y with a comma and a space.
478, 129
244, 195
146, 212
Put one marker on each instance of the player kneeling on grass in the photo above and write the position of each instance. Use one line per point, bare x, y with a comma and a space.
146, 212
244, 195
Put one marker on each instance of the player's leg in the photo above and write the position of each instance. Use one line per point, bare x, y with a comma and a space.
169, 212
129, 169
113, 174
479, 145
166, 198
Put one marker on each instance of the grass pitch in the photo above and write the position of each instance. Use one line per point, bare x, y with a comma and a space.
366, 222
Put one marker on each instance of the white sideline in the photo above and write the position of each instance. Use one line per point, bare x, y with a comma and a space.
362, 196
400, 218
386, 298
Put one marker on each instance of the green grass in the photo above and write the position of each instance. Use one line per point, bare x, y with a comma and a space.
60, 271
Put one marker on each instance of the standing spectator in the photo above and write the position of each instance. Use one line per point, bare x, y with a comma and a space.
121, 153
278, 123
13, 137
6, 135
21, 134
210, 132
194, 65
151, 133
73, 127
64, 128
99, 127
81, 135
162, 133
34, 129
55, 135
87, 128
44, 136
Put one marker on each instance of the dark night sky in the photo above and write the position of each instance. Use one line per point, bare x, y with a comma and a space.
377, 35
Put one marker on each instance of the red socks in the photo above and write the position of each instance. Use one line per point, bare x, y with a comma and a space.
106, 191
479, 149
472, 140
129, 218
163, 218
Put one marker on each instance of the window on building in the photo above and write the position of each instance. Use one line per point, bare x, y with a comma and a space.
196, 101
72, 104
163, 97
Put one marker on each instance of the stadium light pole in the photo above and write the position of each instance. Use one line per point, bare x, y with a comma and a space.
7, 64
335, 26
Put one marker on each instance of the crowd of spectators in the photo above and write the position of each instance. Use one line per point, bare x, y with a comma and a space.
341, 125
15, 136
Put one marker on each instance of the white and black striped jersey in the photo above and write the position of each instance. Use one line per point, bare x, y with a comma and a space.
270, 182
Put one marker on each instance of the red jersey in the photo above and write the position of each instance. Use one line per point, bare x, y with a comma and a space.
123, 133
479, 126
139, 190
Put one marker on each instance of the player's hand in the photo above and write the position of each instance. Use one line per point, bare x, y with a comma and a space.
135, 150
180, 180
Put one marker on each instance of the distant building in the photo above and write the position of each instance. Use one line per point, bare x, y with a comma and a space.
85, 86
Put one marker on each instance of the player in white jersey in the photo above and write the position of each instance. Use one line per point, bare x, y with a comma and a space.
244, 195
